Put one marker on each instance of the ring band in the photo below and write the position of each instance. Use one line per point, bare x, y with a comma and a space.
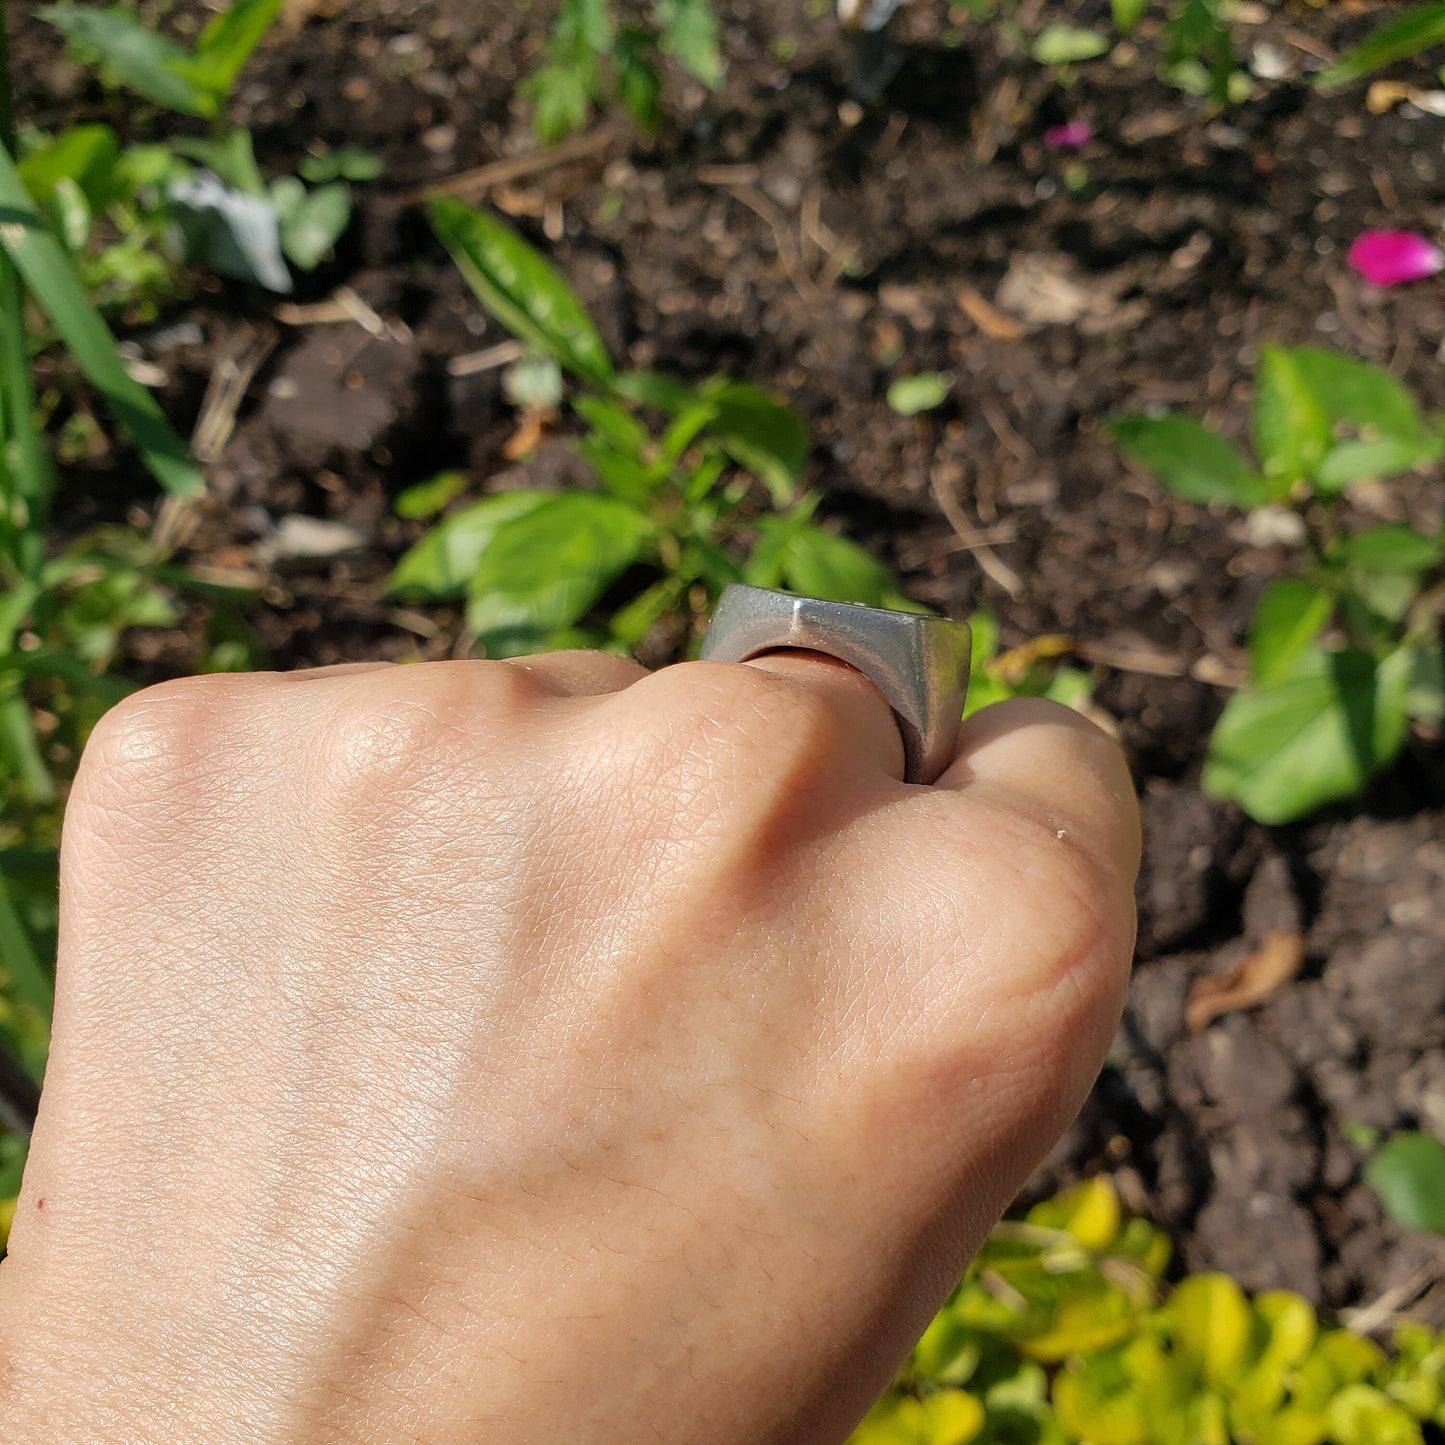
919, 663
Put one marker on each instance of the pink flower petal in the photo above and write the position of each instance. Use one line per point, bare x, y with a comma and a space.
1069, 136
1387, 258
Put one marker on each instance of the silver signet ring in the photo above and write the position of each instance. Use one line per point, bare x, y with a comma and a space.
918, 663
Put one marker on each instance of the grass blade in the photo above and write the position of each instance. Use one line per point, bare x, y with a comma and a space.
29, 983
1405, 36
20, 748
53, 282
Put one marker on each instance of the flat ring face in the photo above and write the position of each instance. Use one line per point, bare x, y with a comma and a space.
918, 663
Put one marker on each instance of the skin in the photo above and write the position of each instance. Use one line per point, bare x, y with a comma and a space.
544, 1051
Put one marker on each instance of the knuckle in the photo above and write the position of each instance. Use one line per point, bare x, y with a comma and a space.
404, 728
153, 736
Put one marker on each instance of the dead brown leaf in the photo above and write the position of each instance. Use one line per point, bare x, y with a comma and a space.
987, 317
1249, 981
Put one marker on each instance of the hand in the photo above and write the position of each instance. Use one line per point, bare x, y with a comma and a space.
544, 1051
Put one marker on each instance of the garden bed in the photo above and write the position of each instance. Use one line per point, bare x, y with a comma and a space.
784, 233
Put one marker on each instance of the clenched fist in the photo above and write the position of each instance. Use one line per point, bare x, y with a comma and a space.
544, 1051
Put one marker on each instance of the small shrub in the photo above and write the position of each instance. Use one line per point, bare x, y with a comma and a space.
1345, 655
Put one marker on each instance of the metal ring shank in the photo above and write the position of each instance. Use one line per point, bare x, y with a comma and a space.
919, 663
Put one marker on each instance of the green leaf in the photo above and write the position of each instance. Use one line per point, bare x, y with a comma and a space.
52, 280
561, 95
639, 86
1406, 35
819, 563
1409, 1176
1292, 428
909, 395
29, 982
226, 45
521, 289
441, 565
761, 435
1066, 45
232, 157
658, 391
84, 154
1351, 461
543, 570
1127, 14
1210, 1320
139, 58
1393, 549
345, 163
689, 32
589, 22
1316, 734
1290, 616
426, 499
1190, 460
311, 227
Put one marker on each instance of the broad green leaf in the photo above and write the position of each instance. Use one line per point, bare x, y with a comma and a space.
426, 499
1089, 1211
689, 32
952, 1417
1292, 428
614, 424
1091, 1314
1365, 398
765, 563
658, 391
441, 565
910, 395
561, 96
1127, 14
1393, 549
587, 21
1190, 460
521, 289
225, 45
1406, 35
1348, 462
948, 1352
819, 563
232, 157
312, 224
763, 436
1316, 734
1363, 1415
639, 86
1291, 614
1409, 1176
1096, 1401
139, 58
1067, 45
1425, 695
52, 280
1210, 1320
84, 154
543, 570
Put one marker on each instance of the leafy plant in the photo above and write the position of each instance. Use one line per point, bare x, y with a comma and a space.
232, 220
1345, 655
1408, 1173
593, 59
1403, 37
675, 510
1063, 1331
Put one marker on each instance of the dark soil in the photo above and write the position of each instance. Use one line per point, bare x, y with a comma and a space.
1191, 241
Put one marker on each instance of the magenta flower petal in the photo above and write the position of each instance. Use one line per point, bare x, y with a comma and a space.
1069, 136
1388, 258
